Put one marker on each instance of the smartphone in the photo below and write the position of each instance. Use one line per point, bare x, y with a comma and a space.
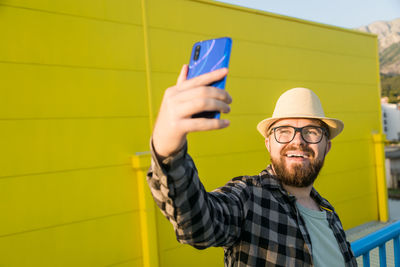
207, 56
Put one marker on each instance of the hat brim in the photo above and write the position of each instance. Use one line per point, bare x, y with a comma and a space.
335, 126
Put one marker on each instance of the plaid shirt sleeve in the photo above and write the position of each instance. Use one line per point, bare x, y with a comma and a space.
199, 218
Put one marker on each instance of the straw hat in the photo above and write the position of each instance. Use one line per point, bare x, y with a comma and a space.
300, 103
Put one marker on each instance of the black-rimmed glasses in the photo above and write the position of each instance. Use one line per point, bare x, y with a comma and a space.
310, 134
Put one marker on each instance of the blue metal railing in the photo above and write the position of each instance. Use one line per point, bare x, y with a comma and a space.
364, 245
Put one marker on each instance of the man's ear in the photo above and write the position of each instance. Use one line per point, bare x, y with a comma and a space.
328, 147
267, 144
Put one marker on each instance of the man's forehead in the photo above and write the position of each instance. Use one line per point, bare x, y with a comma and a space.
298, 122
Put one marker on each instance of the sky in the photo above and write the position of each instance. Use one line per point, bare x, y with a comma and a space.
342, 13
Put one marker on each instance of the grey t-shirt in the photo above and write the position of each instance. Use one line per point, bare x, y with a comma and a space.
325, 249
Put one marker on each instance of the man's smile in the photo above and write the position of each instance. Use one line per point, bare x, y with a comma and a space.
297, 156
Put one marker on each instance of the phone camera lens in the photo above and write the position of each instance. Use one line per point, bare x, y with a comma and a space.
196, 52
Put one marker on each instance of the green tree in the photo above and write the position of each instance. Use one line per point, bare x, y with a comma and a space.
390, 85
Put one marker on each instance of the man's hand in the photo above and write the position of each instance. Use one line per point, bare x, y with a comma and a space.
180, 102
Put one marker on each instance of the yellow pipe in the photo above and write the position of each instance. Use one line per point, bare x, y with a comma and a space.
148, 225
147, 64
383, 211
379, 141
141, 162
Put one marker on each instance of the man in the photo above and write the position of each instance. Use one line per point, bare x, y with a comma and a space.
275, 218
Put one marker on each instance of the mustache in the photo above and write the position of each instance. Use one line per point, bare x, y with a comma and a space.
303, 148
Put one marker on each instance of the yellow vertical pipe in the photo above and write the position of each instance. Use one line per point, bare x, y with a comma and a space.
379, 144
141, 163
147, 63
381, 177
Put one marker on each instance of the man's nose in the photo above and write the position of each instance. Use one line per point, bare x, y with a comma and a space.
298, 139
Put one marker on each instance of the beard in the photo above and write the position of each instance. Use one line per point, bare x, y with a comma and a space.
299, 175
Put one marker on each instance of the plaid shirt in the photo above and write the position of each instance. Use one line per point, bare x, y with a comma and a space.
252, 217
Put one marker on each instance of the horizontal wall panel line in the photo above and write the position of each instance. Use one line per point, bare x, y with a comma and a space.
331, 112
306, 49
229, 153
302, 81
73, 118
357, 169
71, 15
329, 173
70, 66
263, 149
123, 262
353, 140
352, 111
266, 43
66, 171
282, 17
349, 200
69, 223
275, 79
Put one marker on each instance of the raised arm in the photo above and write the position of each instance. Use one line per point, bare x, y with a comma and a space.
201, 219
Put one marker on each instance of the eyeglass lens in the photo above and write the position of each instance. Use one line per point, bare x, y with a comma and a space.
310, 134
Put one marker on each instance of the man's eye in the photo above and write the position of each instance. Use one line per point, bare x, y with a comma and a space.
312, 132
284, 131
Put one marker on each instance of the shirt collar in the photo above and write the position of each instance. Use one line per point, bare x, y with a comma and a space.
269, 180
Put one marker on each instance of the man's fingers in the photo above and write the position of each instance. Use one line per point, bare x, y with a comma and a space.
189, 108
200, 124
204, 79
204, 92
182, 76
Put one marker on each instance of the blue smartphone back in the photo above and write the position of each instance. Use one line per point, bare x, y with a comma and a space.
207, 56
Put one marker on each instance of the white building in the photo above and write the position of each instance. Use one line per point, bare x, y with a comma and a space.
392, 164
391, 120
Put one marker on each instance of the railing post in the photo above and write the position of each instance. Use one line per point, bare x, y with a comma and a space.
366, 259
396, 248
382, 255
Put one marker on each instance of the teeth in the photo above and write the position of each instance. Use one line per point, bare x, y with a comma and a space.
295, 155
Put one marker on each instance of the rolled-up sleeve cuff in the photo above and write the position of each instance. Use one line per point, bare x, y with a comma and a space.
173, 166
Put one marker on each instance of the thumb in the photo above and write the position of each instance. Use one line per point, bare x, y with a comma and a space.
183, 74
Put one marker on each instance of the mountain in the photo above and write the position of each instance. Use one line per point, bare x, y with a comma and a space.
390, 59
389, 44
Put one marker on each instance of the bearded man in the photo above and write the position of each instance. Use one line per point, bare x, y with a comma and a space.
275, 218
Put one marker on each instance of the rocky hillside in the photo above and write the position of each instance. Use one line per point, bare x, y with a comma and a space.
389, 44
